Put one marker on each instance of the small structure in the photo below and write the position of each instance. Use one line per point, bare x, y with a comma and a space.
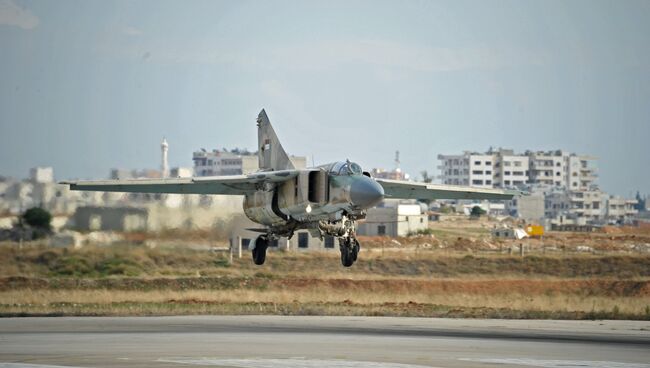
503, 233
243, 237
394, 218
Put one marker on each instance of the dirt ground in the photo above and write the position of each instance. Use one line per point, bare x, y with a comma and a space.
457, 270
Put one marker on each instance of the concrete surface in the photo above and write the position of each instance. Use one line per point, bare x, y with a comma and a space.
276, 341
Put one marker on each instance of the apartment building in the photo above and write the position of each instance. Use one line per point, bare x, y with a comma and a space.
216, 163
503, 168
562, 169
621, 209
511, 170
469, 168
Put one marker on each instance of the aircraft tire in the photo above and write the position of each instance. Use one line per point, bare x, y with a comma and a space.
347, 254
259, 252
355, 249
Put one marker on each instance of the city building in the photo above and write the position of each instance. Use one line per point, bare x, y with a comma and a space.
503, 168
395, 174
530, 208
235, 162
621, 210
41, 175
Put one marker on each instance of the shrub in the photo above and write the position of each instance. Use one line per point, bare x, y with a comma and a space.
477, 211
38, 218
118, 266
72, 266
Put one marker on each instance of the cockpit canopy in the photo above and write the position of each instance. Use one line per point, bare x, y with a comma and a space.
345, 168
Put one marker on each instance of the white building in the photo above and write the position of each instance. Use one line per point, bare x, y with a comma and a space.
41, 175
232, 163
511, 170
393, 218
621, 210
503, 168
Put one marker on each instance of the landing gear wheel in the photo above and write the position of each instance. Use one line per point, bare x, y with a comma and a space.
355, 249
259, 252
348, 252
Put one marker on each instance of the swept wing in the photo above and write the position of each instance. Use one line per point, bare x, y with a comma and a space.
233, 184
413, 190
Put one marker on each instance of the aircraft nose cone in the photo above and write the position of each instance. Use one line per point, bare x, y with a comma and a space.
365, 192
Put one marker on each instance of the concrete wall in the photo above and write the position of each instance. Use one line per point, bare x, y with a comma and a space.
89, 218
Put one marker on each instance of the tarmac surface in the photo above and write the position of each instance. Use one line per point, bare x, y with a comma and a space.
296, 342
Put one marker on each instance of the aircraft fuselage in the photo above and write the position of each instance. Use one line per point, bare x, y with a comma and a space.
324, 193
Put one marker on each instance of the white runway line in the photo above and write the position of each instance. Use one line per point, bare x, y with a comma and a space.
288, 363
27, 365
560, 363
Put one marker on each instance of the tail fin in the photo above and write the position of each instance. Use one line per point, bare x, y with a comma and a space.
270, 152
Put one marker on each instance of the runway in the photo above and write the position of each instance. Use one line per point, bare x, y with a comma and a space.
277, 341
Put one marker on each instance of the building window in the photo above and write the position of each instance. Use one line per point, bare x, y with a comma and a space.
273, 243
506, 163
477, 182
488, 182
477, 172
488, 172
303, 240
558, 173
506, 173
421, 220
329, 241
245, 242
381, 230
477, 162
518, 163
488, 163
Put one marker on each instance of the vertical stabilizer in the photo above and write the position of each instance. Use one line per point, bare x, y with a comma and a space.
270, 152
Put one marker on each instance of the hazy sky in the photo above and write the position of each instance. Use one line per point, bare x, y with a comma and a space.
86, 86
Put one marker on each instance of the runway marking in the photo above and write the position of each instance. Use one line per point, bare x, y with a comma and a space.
560, 363
288, 363
27, 365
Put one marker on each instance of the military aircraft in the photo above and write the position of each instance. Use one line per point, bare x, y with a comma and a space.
326, 200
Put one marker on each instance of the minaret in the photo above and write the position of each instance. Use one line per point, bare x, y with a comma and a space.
164, 146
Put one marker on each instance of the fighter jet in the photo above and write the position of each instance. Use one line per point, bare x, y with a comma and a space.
326, 200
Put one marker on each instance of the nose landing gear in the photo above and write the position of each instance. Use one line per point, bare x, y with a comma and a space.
349, 251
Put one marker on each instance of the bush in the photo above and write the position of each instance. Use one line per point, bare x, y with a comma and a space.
38, 218
426, 231
118, 266
477, 211
72, 266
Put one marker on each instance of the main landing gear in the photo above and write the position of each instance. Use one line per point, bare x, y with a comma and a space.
349, 250
259, 252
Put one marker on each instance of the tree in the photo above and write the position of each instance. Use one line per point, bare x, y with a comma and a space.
38, 218
477, 211
640, 202
425, 176
426, 179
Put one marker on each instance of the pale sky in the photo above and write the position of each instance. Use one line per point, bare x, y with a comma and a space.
86, 86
